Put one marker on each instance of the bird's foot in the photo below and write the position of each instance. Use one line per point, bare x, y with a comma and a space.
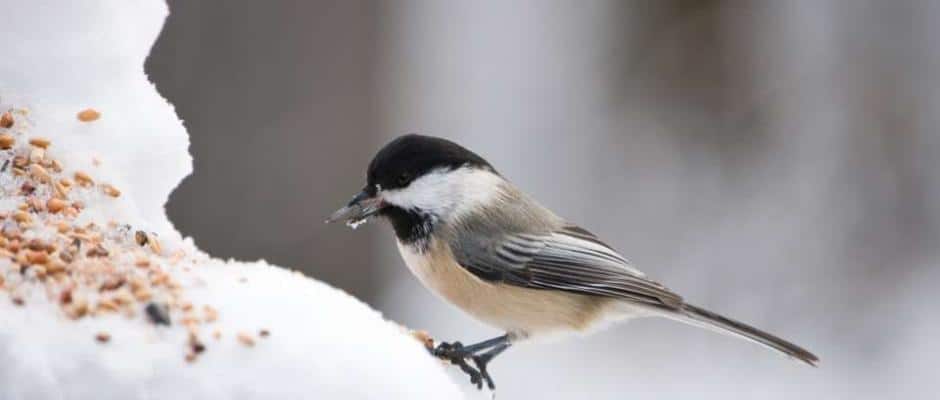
480, 361
457, 355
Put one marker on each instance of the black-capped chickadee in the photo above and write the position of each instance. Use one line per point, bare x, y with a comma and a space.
479, 242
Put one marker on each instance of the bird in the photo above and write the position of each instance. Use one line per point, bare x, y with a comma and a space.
479, 242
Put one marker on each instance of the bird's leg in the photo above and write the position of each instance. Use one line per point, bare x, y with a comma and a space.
457, 354
482, 359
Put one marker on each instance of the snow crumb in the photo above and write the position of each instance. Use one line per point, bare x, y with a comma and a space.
100, 297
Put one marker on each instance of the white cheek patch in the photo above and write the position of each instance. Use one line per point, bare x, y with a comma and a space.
445, 192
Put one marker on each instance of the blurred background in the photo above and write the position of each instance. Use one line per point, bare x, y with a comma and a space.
777, 162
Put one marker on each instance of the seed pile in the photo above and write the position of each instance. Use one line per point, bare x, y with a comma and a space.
89, 270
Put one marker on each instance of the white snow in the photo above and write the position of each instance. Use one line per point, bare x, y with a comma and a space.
60, 57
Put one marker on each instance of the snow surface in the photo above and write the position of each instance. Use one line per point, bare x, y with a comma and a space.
60, 57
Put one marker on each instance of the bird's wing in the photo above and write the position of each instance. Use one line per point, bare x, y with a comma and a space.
570, 259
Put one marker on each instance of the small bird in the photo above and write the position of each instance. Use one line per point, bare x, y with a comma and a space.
479, 242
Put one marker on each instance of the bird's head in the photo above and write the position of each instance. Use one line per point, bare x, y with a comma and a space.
416, 181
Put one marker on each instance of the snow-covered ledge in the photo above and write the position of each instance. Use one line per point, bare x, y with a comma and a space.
92, 269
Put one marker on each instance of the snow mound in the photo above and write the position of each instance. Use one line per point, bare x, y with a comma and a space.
99, 296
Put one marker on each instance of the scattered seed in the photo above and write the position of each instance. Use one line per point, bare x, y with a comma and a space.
40, 142
35, 204
7, 141
112, 283
20, 161
37, 155
190, 357
6, 164
264, 333
54, 205
97, 251
65, 297
39, 173
6, 120
108, 305
18, 300
141, 238
88, 115
22, 217
195, 344
103, 337
142, 294
83, 179
78, 309
36, 257
154, 244
110, 190
158, 314
211, 315
27, 189
245, 339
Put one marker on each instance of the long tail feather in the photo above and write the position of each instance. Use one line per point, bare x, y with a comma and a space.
709, 320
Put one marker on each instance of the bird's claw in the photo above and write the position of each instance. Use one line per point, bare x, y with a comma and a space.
480, 362
455, 354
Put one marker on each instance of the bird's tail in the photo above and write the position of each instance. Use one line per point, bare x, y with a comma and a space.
709, 320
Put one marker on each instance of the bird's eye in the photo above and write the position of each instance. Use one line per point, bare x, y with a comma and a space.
404, 178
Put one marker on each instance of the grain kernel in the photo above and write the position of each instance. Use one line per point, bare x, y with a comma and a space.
245, 339
36, 257
83, 179
78, 309
54, 205
110, 190
6, 141
112, 283
142, 294
40, 142
6, 120
61, 190
154, 244
62, 226
39, 173
102, 337
37, 155
54, 266
22, 217
211, 315
88, 115
108, 305
123, 297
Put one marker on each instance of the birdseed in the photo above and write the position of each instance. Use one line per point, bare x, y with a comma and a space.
88, 115
245, 339
6, 120
6, 141
87, 270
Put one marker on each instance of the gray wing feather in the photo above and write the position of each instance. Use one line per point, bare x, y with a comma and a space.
569, 259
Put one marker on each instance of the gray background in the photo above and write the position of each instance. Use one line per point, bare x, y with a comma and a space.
774, 161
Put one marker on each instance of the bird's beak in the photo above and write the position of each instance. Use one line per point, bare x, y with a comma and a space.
360, 208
